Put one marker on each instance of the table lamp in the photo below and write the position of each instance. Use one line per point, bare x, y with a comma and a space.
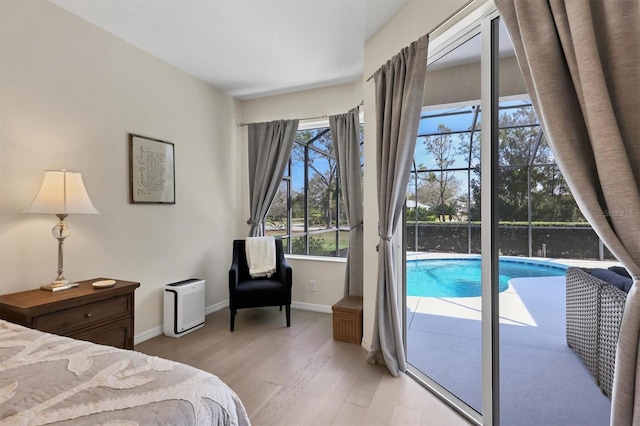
61, 193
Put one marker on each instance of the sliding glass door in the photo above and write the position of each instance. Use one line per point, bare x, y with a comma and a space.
452, 311
484, 329
443, 310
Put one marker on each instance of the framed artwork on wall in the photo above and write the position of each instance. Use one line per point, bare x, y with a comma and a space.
151, 171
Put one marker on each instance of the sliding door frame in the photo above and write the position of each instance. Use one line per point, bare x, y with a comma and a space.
483, 20
489, 176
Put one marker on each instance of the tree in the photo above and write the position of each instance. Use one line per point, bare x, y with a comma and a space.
440, 187
516, 148
277, 215
552, 200
523, 156
469, 149
527, 171
316, 148
440, 200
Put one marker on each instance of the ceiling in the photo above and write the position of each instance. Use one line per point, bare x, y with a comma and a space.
247, 48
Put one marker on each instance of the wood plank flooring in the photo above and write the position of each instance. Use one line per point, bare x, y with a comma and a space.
300, 375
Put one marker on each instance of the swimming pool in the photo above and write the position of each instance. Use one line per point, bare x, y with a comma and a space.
461, 277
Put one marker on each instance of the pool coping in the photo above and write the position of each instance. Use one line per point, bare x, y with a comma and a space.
472, 303
582, 263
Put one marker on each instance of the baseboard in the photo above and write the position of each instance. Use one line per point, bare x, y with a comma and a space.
366, 344
311, 307
149, 334
215, 308
159, 330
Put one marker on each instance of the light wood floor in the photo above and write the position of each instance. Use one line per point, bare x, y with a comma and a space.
300, 375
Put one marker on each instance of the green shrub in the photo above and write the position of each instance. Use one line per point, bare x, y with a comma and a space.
316, 246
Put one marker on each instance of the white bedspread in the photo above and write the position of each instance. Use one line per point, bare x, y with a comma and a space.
47, 379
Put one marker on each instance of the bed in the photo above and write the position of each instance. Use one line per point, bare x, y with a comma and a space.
45, 378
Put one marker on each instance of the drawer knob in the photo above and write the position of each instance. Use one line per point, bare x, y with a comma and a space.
88, 315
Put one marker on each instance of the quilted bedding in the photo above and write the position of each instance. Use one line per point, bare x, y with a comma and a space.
49, 379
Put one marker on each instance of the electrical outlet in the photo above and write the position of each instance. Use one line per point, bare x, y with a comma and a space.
312, 285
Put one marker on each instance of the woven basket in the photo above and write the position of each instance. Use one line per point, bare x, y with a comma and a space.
347, 319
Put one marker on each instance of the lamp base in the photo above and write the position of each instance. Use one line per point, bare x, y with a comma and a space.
58, 286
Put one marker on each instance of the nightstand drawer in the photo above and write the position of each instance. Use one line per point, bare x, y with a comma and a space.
84, 316
117, 333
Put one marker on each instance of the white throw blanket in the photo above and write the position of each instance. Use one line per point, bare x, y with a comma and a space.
261, 256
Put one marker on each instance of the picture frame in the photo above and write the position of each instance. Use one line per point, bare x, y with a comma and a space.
151, 171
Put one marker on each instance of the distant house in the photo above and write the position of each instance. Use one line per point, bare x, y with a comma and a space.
411, 204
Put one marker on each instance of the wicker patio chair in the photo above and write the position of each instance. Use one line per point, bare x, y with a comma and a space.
612, 302
594, 314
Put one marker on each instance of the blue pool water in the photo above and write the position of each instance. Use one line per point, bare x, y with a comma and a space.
461, 277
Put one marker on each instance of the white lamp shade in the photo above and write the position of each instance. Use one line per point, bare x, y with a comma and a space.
62, 192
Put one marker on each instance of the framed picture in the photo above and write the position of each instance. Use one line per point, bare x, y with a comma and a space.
151, 171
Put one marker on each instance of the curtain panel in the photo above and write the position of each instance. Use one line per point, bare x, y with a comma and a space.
270, 147
399, 93
345, 131
581, 64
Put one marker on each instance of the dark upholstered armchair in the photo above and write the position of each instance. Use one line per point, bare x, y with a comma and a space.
247, 292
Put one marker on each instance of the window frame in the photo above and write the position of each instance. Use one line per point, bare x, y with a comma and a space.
289, 179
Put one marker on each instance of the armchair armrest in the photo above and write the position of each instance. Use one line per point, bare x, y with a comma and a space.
233, 275
285, 271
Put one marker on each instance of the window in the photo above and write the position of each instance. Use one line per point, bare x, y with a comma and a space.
443, 196
308, 212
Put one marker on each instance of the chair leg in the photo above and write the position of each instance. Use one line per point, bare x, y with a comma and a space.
233, 318
280, 308
288, 313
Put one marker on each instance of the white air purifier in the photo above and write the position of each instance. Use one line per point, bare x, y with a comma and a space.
183, 307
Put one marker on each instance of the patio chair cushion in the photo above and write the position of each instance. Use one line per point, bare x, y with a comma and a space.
621, 282
620, 270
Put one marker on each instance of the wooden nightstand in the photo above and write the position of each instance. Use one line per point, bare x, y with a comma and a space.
103, 316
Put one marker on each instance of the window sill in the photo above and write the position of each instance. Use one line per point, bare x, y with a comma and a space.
316, 258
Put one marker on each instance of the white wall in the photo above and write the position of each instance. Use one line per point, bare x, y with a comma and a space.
70, 93
304, 104
329, 277
415, 19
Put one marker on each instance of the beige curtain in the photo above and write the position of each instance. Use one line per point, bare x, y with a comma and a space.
581, 63
399, 94
269, 151
345, 132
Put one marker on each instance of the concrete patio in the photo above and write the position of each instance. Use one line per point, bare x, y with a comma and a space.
542, 380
